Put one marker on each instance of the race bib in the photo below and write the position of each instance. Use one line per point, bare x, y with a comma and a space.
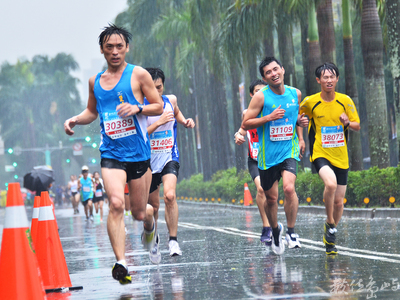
281, 130
86, 189
161, 141
254, 150
98, 193
117, 127
332, 136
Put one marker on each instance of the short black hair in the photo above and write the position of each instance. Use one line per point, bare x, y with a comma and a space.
156, 73
255, 83
328, 66
113, 29
265, 62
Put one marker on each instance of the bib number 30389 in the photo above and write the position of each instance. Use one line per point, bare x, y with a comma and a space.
281, 130
332, 136
117, 127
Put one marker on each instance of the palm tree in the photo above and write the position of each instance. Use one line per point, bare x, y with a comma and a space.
314, 51
372, 49
355, 152
393, 29
326, 31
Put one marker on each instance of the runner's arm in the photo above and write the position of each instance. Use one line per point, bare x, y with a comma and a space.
87, 116
187, 123
250, 120
241, 133
167, 116
349, 124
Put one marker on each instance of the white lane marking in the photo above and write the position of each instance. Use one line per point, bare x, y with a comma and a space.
234, 231
286, 296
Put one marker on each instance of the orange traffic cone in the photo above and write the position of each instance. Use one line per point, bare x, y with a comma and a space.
49, 250
35, 216
248, 199
19, 272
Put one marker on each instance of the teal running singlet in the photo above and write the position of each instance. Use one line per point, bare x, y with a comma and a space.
123, 139
277, 139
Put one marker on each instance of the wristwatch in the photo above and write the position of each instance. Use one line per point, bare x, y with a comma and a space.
140, 106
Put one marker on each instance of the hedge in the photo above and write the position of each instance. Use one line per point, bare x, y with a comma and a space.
376, 184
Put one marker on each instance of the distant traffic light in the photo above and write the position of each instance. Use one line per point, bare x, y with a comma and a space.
10, 150
94, 145
87, 139
93, 160
6, 184
67, 160
15, 164
15, 176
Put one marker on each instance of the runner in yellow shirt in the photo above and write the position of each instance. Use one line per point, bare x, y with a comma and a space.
331, 116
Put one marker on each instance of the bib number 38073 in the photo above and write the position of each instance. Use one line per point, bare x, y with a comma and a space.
332, 136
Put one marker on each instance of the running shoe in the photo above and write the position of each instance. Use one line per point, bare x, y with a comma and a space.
266, 236
174, 249
149, 238
329, 239
91, 218
280, 248
155, 255
292, 240
120, 273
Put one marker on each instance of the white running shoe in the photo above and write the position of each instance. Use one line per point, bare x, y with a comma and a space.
292, 240
281, 246
174, 248
154, 254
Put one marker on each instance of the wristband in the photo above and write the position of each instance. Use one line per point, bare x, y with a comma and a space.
140, 106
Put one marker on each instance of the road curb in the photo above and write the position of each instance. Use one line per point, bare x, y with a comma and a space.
365, 213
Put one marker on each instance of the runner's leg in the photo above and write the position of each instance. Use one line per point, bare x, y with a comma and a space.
329, 178
338, 203
291, 203
271, 205
171, 206
114, 181
260, 200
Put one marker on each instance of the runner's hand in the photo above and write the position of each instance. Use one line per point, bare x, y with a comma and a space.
125, 110
239, 139
166, 116
68, 125
189, 123
302, 146
344, 119
277, 113
302, 120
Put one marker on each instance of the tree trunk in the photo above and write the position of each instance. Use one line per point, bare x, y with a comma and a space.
372, 49
355, 151
393, 24
286, 49
326, 31
314, 50
237, 116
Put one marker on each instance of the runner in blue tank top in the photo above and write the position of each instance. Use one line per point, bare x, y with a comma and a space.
165, 160
274, 111
117, 95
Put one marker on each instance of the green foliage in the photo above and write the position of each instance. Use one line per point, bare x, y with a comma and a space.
376, 184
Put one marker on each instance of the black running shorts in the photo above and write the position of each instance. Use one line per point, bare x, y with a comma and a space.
172, 167
134, 170
269, 176
341, 174
252, 165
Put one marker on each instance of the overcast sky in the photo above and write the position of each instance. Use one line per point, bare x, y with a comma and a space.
31, 27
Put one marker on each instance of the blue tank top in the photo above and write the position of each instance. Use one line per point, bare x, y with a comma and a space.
123, 139
277, 139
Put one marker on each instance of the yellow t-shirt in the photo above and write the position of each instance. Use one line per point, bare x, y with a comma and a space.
328, 137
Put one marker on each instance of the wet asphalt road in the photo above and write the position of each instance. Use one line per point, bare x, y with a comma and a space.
224, 259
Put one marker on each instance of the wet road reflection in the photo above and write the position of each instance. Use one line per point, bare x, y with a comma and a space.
224, 259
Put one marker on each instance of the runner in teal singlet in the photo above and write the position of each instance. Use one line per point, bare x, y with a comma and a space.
274, 111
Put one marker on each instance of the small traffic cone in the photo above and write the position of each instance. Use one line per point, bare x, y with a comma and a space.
35, 216
49, 250
248, 199
19, 271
